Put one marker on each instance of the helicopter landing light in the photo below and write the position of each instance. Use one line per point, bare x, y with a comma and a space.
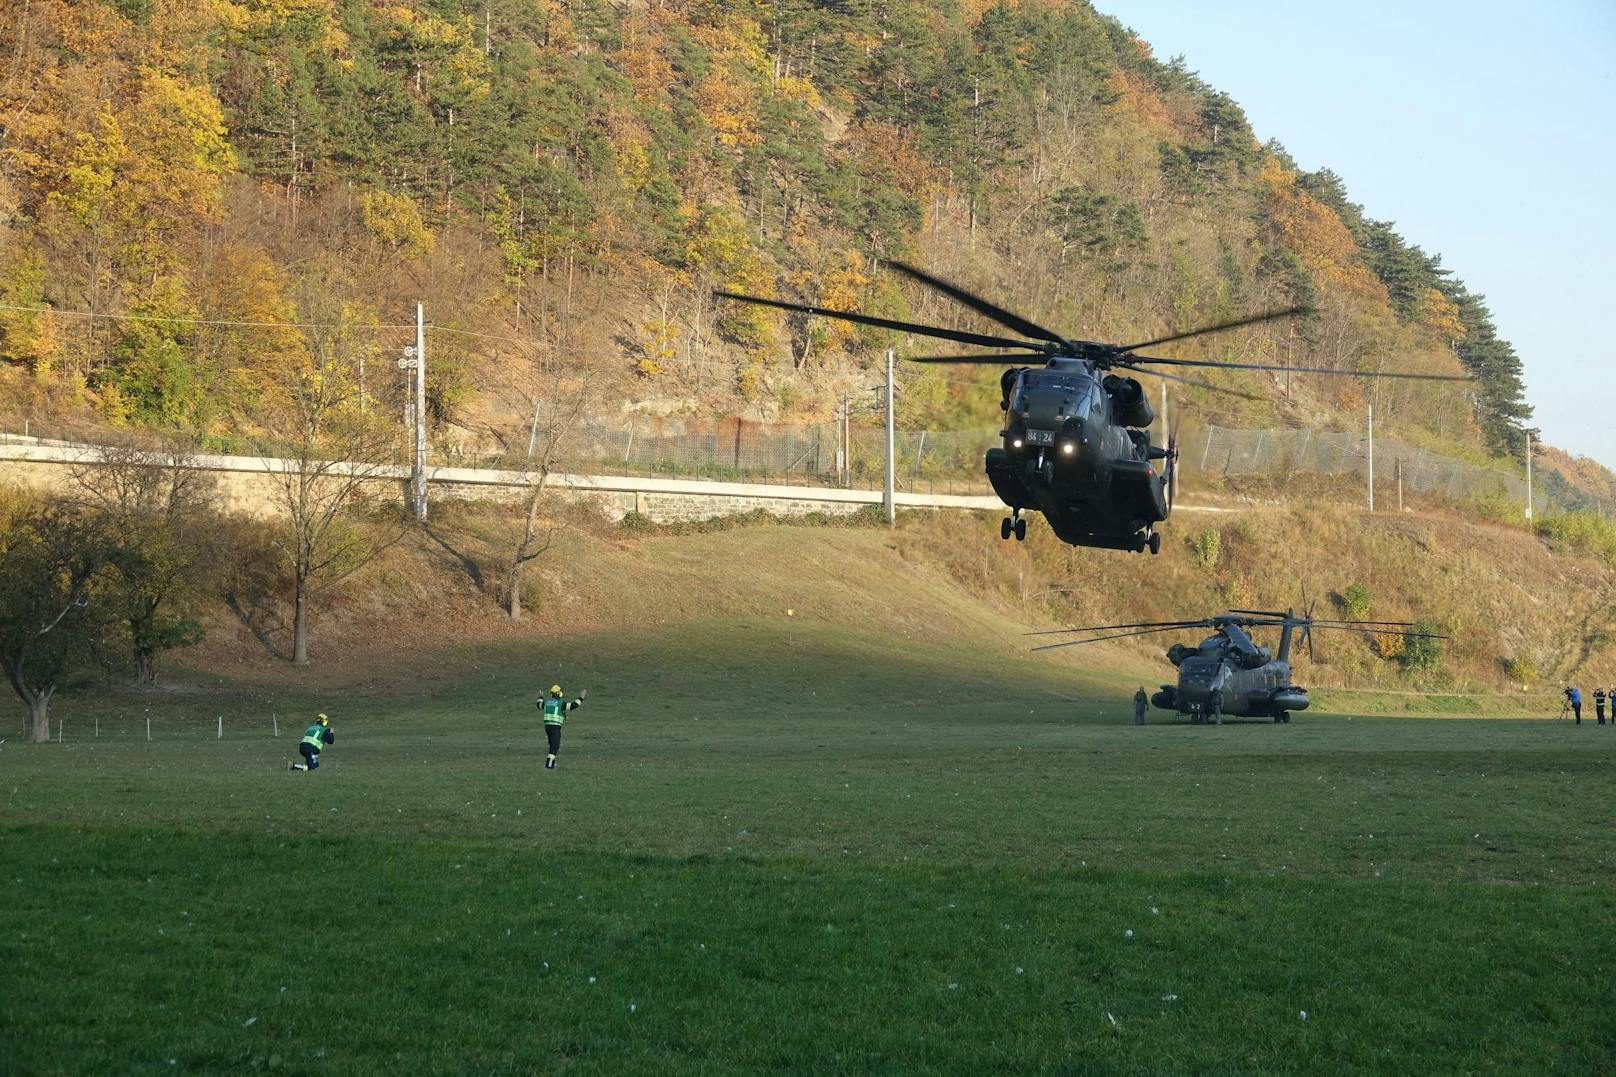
1016, 444
1068, 448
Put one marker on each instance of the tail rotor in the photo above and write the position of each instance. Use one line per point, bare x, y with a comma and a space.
1171, 478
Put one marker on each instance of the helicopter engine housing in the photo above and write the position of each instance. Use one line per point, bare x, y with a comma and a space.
1128, 403
1290, 698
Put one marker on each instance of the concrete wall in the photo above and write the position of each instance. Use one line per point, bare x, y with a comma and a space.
249, 484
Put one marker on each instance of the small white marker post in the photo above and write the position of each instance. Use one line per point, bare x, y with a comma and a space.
277, 722
221, 727
148, 727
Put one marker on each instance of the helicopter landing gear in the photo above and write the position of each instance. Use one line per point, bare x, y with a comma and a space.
1013, 525
1282, 717
1155, 543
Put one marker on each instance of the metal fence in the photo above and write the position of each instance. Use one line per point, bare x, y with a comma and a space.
825, 454
1221, 451
819, 453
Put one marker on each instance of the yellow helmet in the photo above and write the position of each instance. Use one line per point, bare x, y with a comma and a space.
323, 720
555, 689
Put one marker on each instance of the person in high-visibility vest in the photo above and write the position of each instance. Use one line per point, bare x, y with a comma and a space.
315, 737
555, 707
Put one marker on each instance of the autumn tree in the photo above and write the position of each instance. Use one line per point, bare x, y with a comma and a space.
159, 510
56, 565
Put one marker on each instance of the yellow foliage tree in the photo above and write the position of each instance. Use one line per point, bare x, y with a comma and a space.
395, 219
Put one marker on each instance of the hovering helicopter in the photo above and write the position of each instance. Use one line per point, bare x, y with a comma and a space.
1228, 673
1075, 446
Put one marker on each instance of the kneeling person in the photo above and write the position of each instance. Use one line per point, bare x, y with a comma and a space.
315, 737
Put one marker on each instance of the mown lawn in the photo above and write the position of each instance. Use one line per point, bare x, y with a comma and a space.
800, 853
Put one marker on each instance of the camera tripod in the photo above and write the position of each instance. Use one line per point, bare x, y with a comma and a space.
1565, 708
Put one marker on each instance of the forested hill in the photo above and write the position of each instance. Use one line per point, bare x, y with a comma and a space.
578, 177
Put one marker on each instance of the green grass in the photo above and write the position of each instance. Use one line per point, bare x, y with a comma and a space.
800, 853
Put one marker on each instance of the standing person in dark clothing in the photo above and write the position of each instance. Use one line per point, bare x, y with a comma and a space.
1574, 697
1599, 706
315, 737
555, 709
1140, 702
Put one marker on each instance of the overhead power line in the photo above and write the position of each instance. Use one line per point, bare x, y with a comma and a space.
197, 321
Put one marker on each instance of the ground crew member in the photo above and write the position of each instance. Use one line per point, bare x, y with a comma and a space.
1574, 697
1140, 702
555, 710
1599, 705
315, 737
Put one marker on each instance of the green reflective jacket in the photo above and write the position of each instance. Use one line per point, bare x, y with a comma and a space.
314, 736
555, 710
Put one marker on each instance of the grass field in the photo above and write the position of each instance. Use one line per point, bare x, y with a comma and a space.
773, 849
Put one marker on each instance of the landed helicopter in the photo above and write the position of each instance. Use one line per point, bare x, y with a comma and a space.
1075, 446
1229, 673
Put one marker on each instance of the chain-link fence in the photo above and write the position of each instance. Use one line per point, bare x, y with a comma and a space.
1277, 453
818, 453
830, 454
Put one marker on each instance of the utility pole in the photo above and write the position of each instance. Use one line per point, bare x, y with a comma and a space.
841, 440
1371, 458
415, 413
1399, 484
892, 498
1528, 482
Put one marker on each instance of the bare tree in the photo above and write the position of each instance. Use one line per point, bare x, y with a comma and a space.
160, 512
334, 449
555, 416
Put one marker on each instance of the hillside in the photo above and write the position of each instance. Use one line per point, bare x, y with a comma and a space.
204, 202
942, 586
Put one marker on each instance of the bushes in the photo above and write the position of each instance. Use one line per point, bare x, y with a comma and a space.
1355, 602
1580, 532
1421, 653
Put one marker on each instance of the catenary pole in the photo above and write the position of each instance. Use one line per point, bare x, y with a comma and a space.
418, 472
1371, 458
891, 499
1528, 480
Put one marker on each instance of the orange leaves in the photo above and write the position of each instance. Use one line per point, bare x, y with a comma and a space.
1439, 316
728, 105
1314, 231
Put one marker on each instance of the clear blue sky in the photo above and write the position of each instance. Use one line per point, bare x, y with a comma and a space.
1485, 130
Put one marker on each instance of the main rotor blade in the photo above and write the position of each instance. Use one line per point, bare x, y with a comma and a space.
1133, 359
1379, 632
1119, 635
1002, 360
957, 335
1203, 384
1136, 624
1237, 323
1334, 621
978, 304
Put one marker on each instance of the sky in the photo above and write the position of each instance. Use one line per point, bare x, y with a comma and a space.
1485, 130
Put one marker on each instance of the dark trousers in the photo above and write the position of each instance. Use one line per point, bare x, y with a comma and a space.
1576, 708
553, 733
310, 756
1599, 709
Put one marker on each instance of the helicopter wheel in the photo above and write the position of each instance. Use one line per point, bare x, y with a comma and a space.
1021, 530
1155, 542
1005, 527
